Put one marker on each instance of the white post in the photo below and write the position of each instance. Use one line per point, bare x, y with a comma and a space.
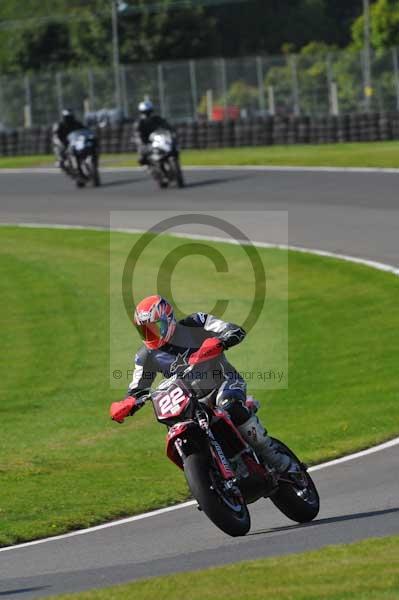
271, 100
261, 84
396, 72
86, 106
60, 97
209, 105
334, 99
295, 86
161, 89
28, 103
90, 79
194, 89
368, 90
115, 52
124, 92
224, 86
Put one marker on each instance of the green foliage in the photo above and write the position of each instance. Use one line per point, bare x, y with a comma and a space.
58, 33
239, 94
384, 22
73, 34
310, 65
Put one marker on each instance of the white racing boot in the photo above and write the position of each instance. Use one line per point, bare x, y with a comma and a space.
255, 434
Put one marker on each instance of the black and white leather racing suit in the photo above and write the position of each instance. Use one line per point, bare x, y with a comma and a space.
189, 334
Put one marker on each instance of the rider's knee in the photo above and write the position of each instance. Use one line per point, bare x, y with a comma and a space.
236, 408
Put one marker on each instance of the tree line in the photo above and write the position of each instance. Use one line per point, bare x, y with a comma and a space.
51, 34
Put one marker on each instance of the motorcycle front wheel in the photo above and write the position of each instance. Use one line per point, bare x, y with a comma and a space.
299, 503
226, 513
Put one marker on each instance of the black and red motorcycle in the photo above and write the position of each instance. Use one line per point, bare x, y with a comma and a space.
222, 470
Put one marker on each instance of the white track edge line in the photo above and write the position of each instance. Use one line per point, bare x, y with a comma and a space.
265, 168
370, 263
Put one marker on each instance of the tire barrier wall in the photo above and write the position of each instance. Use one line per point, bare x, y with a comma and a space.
224, 134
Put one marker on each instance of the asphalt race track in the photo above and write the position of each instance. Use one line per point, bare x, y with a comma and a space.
348, 213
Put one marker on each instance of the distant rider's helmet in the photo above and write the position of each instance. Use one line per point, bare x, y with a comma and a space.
145, 108
67, 116
155, 321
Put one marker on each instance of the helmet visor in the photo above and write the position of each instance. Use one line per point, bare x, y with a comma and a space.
153, 332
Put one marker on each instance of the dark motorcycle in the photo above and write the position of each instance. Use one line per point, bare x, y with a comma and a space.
81, 158
163, 159
223, 472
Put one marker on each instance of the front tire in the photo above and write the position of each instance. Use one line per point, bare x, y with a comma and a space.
299, 505
197, 472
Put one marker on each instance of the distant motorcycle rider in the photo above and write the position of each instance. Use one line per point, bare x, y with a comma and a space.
146, 124
168, 346
61, 130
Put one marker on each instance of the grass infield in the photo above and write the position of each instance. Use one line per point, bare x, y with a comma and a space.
364, 154
366, 570
64, 465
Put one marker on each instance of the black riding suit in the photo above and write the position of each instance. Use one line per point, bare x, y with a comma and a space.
189, 334
61, 131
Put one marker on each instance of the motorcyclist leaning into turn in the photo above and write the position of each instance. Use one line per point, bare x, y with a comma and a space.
168, 346
61, 130
146, 124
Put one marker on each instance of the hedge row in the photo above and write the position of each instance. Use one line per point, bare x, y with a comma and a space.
258, 132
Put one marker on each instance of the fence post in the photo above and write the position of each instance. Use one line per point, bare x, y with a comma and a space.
2, 107
28, 103
90, 80
125, 103
261, 84
332, 88
161, 89
334, 99
271, 99
209, 105
58, 85
295, 87
396, 71
224, 86
194, 89
367, 82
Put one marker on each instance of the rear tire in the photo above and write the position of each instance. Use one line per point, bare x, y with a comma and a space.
95, 175
178, 174
96, 178
299, 505
197, 472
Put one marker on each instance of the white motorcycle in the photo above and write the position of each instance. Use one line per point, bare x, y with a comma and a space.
163, 159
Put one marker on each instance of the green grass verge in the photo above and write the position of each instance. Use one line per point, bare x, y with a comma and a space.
23, 162
64, 465
366, 154
366, 570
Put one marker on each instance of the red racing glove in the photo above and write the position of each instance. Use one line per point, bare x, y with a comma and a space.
125, 408
210, 348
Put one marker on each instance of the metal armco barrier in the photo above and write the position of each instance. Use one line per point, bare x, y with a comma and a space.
224, 134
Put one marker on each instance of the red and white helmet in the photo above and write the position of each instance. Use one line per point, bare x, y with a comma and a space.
155, 321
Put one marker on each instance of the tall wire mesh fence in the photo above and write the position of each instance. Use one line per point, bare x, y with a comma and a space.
212, 89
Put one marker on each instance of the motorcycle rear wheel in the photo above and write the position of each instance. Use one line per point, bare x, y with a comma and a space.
299, 505
95, 175
178, 173
197, 472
